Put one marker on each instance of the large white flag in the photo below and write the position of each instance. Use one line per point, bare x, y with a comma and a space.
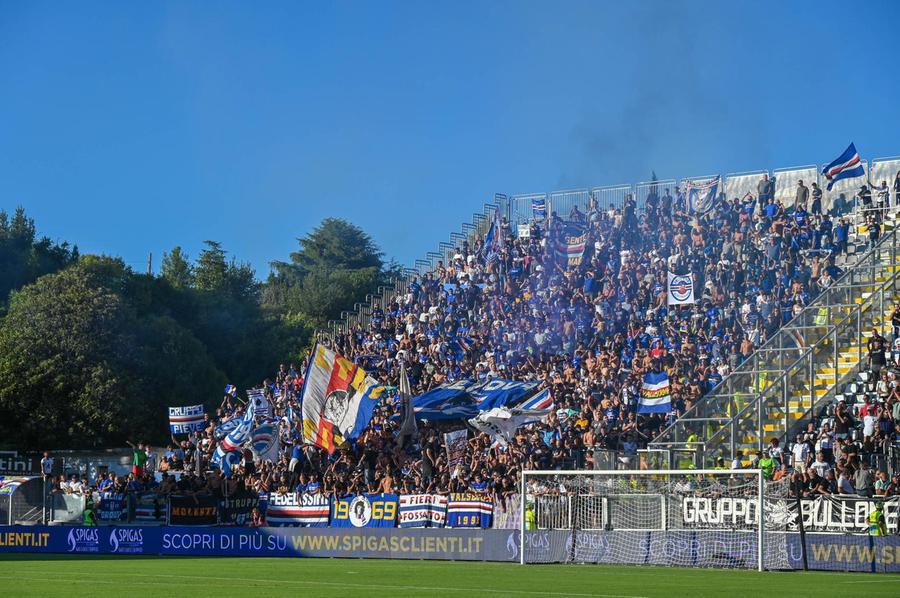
501, 423
681, 289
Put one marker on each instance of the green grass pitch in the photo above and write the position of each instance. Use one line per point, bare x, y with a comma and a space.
61, 575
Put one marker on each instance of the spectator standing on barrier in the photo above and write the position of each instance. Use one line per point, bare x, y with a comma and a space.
864, 481
801, 197
47, 466
800, 454
138, 458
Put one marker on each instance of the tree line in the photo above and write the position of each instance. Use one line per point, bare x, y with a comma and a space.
92, 352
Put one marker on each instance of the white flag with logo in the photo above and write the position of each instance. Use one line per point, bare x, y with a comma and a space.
501, 423
681, 289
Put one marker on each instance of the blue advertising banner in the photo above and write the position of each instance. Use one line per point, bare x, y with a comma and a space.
365, 510
467, 398
438, 544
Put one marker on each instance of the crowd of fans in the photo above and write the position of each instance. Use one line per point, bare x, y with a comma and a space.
509, 306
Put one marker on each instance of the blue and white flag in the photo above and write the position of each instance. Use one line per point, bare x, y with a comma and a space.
230, 390
541, 400
539, 208
233, 441
184, 420
846, 166
261, 405
702, 197
265, 443
226, 427
655, 397
465, 399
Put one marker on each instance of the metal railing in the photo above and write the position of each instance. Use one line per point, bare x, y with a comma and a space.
517, 209
796, 371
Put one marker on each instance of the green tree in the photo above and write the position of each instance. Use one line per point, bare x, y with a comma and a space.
88, 368
63, 349
24, 257
211, 272
177, 269
336, 266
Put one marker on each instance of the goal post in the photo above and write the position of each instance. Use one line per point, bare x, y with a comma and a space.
687, 517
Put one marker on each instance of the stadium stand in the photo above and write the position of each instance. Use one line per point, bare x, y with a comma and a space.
569, 290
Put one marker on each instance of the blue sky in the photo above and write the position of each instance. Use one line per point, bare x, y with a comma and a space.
130, 128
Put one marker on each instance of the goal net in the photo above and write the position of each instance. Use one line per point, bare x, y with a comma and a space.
687, 518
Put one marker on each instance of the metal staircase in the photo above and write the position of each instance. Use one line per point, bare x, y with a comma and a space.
795, 374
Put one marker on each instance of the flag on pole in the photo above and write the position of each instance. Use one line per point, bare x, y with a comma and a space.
846, 166
261, 404
265, 443
338, 399
539, 208
233, 441
655, 397
501, 423
184, 420
681, 289
408, 428
456, 449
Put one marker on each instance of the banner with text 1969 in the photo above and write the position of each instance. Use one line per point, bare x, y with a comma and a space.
469, 509
364, 510
422, 510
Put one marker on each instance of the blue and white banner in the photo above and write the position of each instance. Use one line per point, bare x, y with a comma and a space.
681, 289
846, 166
466, 398
230, 390
151, 507
364, 510
296, 509
655, 397
539, 208
422, 510
184, 420
469, 509
702, 196
113, 506
265, 443
261, 406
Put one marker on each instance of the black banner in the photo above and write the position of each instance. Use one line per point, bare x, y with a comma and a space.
235, 509
16, 463
193, 510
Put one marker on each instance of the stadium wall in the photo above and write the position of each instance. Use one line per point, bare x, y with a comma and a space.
702, 548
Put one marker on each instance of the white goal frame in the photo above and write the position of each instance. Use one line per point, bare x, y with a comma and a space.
747, 473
